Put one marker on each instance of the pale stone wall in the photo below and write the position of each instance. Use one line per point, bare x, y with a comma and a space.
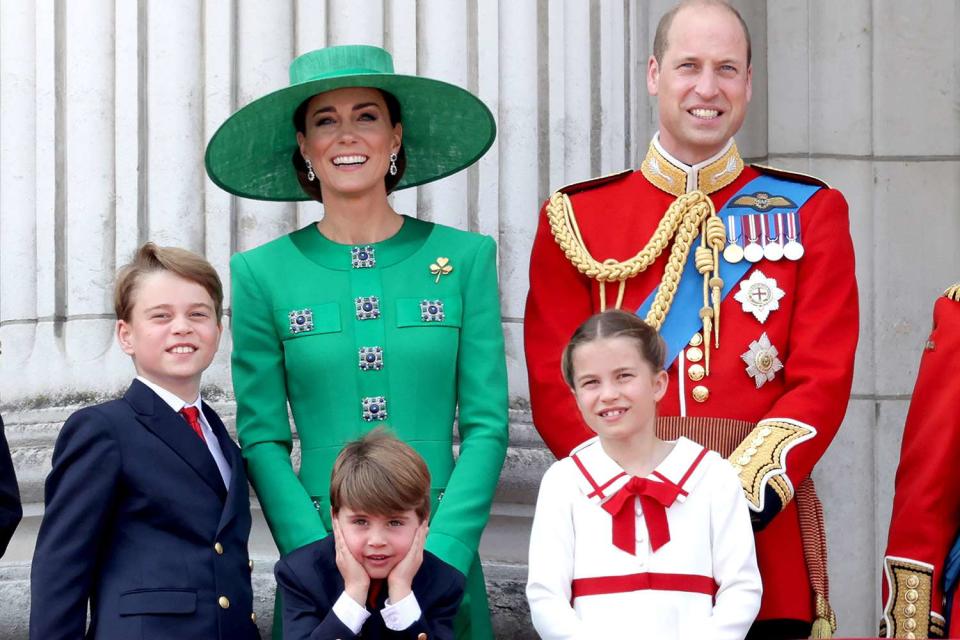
106, 107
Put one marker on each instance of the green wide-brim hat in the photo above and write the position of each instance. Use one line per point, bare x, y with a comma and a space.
445, 128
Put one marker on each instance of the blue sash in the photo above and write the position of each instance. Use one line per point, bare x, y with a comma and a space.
683, 319
951, 574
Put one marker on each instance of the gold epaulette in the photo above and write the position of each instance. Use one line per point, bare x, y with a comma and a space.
593, 183
793, 176
953, 292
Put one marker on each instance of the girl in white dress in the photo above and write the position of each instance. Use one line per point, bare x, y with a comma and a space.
634, 536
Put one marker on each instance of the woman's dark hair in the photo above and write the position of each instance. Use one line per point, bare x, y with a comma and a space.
312, 188
615, 324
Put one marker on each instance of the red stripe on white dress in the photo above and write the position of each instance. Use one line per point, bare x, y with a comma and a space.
586, 474
604, 585
696, 463
606, 484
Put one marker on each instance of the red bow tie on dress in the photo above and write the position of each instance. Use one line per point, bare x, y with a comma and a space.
654, 497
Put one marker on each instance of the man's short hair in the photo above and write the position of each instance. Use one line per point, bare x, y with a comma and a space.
663, 27
151, 258
380, 474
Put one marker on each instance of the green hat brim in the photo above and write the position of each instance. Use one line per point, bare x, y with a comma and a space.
445, 129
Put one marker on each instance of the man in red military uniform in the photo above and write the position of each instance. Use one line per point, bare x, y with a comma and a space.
757, 303
926, 502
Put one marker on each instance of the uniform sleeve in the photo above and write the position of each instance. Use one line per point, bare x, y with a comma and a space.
482, 408
558, 301
817, 363
926, 508
79, 501
734, 560
550, 563
263, 426
302, 618
10, 509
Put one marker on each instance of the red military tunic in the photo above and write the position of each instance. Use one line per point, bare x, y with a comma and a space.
926, 503
814, 332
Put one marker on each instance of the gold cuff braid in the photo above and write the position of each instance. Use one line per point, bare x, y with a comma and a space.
761, 459
908, 612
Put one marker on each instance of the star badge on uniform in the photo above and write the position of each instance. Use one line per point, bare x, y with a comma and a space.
759, 295
762, 361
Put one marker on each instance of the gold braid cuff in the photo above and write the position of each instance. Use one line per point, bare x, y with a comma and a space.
761, 459
690, 215
908, 611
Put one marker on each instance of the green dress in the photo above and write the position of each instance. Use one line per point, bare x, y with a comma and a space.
356, 337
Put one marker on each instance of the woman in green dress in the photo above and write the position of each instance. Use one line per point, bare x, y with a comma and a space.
367, 317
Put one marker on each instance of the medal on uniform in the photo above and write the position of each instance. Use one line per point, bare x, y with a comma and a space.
762, 361
759, 295
773, 247
733, 252
753, 252
793, 250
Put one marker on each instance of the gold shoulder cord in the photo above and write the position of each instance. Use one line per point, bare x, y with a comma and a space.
690, 215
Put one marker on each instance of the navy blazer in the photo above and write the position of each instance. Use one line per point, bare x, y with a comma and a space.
310, 584
139, 522
10, 510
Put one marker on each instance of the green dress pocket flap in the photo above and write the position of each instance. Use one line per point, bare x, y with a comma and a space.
444, 311
307, 320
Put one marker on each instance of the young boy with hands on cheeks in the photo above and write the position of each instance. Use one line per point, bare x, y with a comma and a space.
632, 532
375, 560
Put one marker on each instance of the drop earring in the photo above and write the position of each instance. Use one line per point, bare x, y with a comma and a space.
311, 176
393, 164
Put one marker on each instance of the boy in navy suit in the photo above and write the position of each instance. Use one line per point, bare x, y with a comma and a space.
372, 578
147, 507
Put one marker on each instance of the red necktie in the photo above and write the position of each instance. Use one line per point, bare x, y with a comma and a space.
654, 497
192, 416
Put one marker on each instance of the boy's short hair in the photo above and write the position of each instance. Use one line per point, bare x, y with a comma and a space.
382, 475
151, 258
615, 323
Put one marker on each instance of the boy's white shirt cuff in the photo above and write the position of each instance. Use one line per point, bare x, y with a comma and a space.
401, 615
350, 613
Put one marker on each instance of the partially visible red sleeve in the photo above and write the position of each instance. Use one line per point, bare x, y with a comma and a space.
558, 302
926, 503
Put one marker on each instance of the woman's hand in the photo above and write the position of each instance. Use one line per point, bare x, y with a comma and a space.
356, 582
400, 580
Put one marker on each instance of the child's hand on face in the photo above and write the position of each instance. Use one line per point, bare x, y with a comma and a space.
400, 580
356, 582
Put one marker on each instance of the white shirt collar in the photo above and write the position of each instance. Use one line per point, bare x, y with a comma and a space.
172, 399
